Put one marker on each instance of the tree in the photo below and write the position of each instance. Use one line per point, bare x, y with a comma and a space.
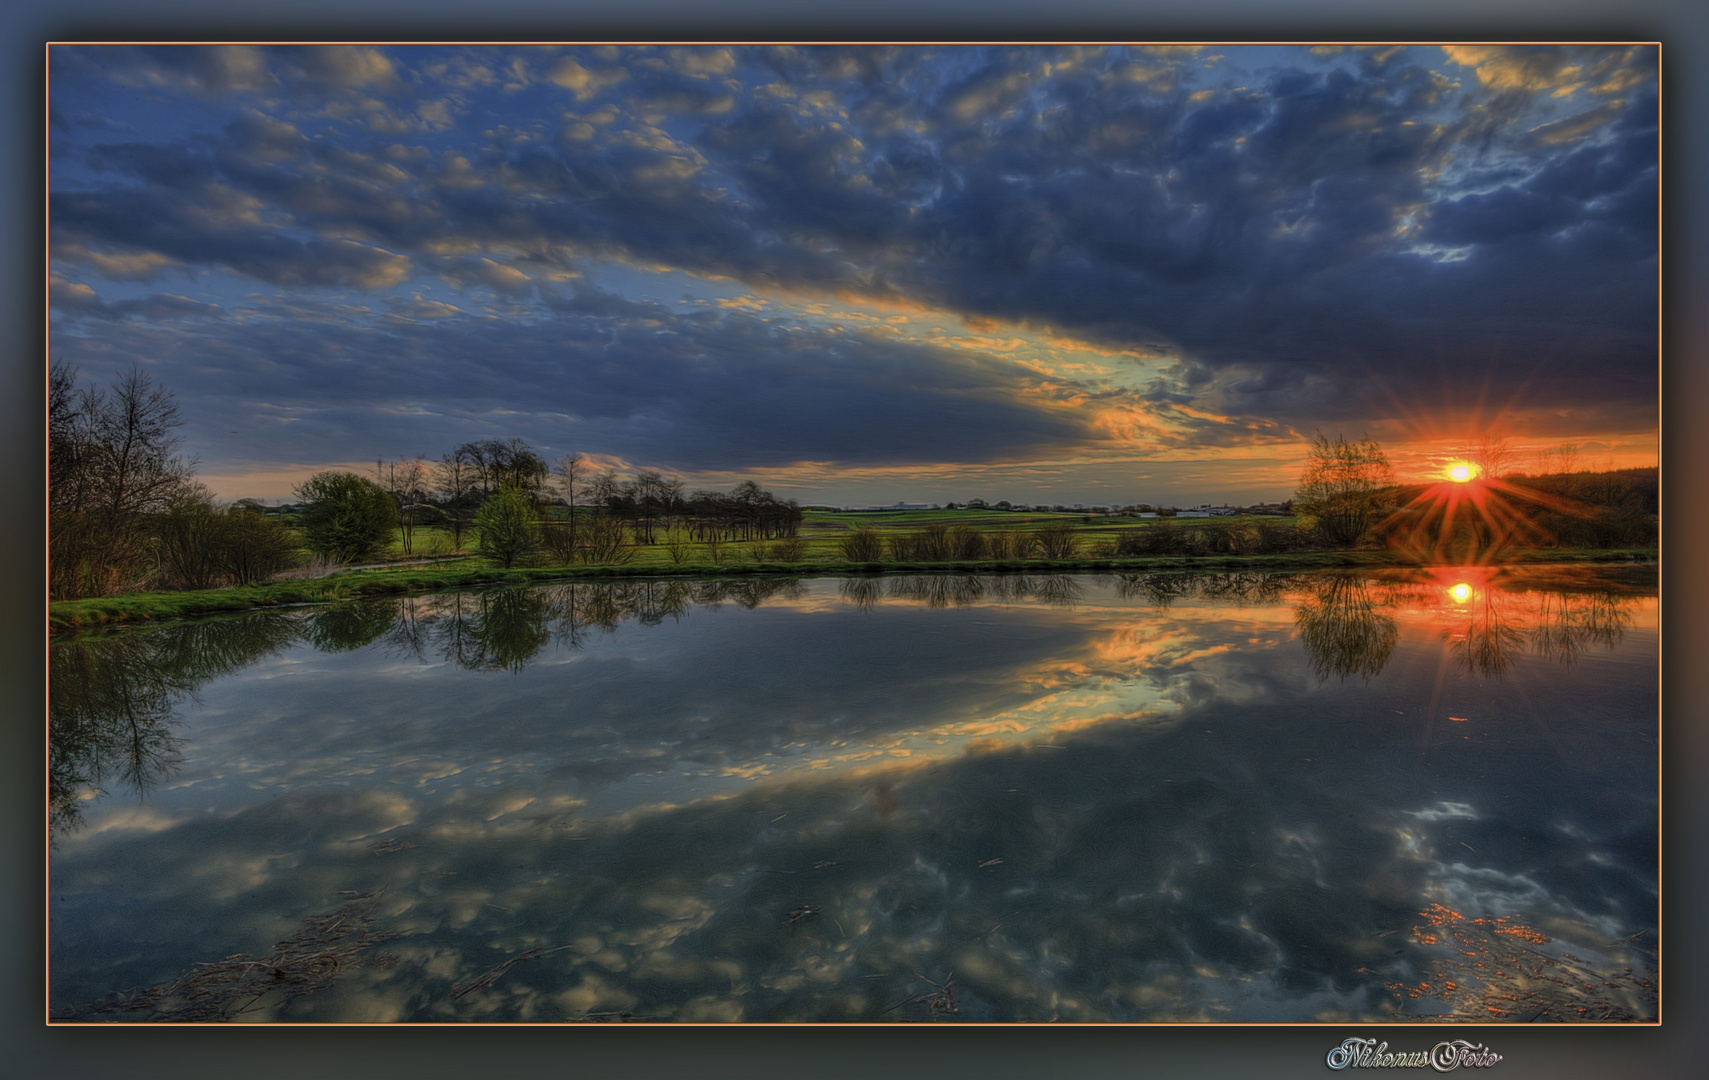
570, 473
406, 482
1492, 456
500, 463
1344, 489
508, 528
345, 517
454, 483
112, 463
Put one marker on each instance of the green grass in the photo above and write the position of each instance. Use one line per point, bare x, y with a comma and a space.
821, 555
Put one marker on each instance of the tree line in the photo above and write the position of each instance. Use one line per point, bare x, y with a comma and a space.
126, 513
1348, 496
124, 508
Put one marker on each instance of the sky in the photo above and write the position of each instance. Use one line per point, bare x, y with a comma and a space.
867, 274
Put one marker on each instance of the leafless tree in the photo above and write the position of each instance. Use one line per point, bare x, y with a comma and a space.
112, 461
407, 483
454, 483
570, 475
1344, 488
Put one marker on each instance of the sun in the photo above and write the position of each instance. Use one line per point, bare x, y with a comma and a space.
1460, 472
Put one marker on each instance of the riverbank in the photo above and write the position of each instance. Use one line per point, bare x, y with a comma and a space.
74, 616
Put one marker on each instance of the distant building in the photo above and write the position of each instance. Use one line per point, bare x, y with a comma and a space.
892, 508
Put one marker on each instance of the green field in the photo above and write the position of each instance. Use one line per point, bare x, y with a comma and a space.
820, 553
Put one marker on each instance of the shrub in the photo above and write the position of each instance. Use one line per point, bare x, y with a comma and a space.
1345, 488
255, 547
863, 544
558, 541
787, 549
187, 541
1057, 541
199, 547
1010, 544
1274, 536
606, 542
508, 528
678, 543
345, 517
1163, 538
965, 542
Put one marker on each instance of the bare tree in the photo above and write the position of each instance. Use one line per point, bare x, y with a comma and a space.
454, 483
1558, 460
406, 482
1492, 456
112, 461
570, 473
1344, 487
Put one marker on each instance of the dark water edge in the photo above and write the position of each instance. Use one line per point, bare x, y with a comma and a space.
1122, 798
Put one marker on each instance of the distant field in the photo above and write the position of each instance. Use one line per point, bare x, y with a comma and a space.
822, 534
820, 552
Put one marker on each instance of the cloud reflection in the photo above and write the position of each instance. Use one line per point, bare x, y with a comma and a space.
1110, 810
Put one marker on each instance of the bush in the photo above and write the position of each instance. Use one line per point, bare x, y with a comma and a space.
254, 546
678, 543
199, 547
187, 541
1274, 536
345, 517
605, 542
964, 542
508, 527
1163, 538
1010, 544
1345, 489
787, 549
863, 544
1058, 541
558, 540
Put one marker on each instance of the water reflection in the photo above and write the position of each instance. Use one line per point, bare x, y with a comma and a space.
1492, 617
112, 702
1344, 629
1119, 798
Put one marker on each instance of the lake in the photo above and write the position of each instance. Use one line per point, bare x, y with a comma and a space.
1222, 797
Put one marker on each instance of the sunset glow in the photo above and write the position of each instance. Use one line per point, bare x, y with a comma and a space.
859, 275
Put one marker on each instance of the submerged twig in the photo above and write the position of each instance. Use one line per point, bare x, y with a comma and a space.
481, 982
327, 946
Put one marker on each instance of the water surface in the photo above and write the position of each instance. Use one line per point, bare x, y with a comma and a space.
1226, 797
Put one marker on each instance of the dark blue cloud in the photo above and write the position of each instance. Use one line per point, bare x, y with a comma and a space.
605, 375
1315, 237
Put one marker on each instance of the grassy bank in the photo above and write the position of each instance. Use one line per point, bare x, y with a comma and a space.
71, 616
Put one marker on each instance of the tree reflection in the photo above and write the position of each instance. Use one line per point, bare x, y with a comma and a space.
1489, 641
111, 702
351, 624
1344, 631
505, 629
862, 592
1161, 590
1570, 626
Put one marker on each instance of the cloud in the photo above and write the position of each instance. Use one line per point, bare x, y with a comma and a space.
685, 391
1316, 239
